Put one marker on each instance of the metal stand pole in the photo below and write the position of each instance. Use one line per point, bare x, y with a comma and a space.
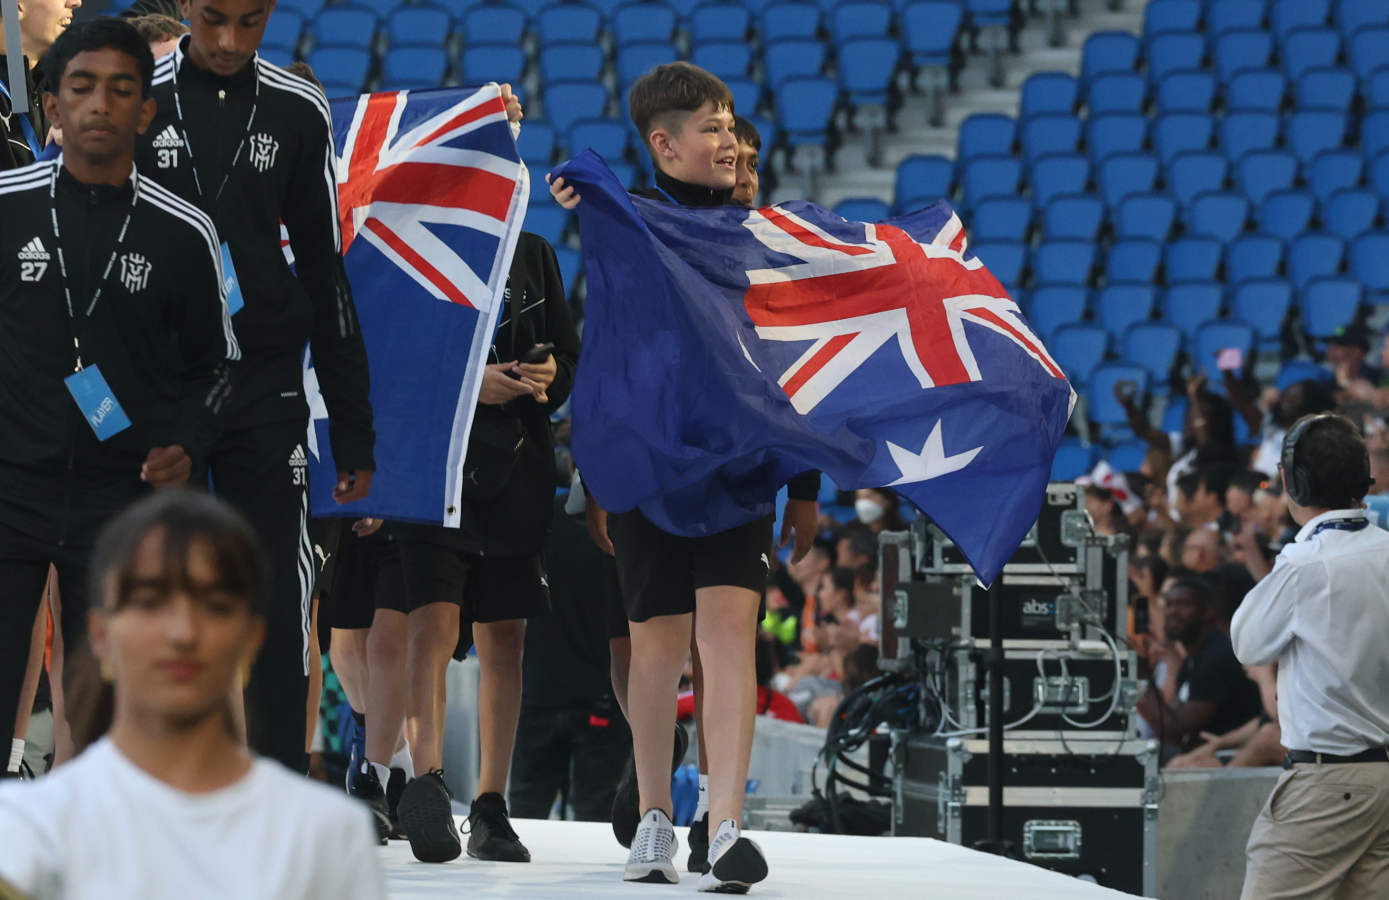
994, 841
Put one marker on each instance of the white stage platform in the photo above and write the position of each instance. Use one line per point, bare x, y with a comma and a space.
581, 859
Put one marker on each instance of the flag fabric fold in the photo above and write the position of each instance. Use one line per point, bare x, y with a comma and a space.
727, 350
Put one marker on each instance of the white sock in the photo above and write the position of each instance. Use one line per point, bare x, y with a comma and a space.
403, 760
16, 754
720, 842
702, 808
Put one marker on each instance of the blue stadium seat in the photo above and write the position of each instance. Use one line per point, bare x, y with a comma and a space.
1102, 407
1218, 214
1211, 338
1309, 48
719, 21
1311, 131
747, 97
1374, 133
540, 191
866, 68
929, 29
1352, 15
1118, 307
1332, 170
1297, 370
791, 58
1261, 172
1154, 346
493, 22
1187, 306
1044, 134
627, 174
413, 68
1252, 256
1286, 214
1369, 263
1186, 90
1162, 16
1074, 216
1113, 133
1145, 216
861, 18
1073, 459
537, 144
570, 62
1190, 174
1264, 304
1108, 51
643, 22
635, 60
1256, 89
989, 12
1314, 255
1127, 456
279, 56
569, 21
1132, 261
1078, 350
726, 59
1063, 262
342, 70
609, 138
789, 19
1377, 174
1230, 15
1241, 49
771, 136
1350, 212
306, 8
548, 221
1287, 15
1330, 303
1054, 305
1116, 92
1240, 132
1191, 258
804, 107
1369, 50
863, 209
990, 176
923, 177
480, 63
425, 26
1325, 88
566, 102
1181, 132
1053, 176
1048, 92
986, 134
1005, 259
571, 264
1376, 89
285, 29
1169, 52
345, 25
1126, 173
1000, 219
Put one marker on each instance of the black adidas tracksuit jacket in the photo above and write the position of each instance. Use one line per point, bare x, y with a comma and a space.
14, 144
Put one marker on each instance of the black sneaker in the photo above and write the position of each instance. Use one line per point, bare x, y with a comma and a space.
738, 862
490, 835
699, 845
367, 788
626, 812
395, 786
426, 815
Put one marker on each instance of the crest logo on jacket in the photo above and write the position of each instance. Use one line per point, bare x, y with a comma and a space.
264, 149
135, 272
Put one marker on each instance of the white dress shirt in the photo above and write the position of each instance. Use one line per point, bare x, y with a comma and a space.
1323, 615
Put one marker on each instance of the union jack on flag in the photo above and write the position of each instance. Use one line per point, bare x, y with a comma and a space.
431, 197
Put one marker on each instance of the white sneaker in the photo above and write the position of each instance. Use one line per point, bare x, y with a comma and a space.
736, 863
653, 851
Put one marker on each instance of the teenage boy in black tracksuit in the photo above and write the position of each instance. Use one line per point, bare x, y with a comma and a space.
252, 145
103, 275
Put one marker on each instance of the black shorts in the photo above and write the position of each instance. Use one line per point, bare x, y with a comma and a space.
659, 572
485, 588
365, 570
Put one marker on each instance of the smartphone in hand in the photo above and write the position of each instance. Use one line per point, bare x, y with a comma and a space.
537, 354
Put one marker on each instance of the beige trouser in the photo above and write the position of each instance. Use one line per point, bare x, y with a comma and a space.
1324, 833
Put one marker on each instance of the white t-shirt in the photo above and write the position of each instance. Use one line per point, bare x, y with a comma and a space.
99, 827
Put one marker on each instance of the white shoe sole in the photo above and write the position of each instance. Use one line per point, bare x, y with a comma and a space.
662, 872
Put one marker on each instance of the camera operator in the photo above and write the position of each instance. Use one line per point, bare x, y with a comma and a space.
1322, 614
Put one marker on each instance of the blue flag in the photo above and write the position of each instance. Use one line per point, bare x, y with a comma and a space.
431, 196
727, 350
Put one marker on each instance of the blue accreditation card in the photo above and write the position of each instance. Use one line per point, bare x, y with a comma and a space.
99, 406
230, 283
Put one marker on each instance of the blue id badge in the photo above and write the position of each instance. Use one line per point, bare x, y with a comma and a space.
99, 406
230, 282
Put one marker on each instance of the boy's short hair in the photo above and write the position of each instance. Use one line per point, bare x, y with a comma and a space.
1337, 464
747, 133
667, 94
304, 71
98, 34
156, 27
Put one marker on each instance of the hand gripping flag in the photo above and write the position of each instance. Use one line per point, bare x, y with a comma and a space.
727, 350
431, 196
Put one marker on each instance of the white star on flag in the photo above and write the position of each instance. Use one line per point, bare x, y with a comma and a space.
931, 462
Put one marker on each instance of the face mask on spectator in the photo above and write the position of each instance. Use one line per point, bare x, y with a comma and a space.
869, 511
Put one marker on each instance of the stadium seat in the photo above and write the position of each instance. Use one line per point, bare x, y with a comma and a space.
986, 134
1145, 216
424, 26
1126, 173
1162, 16
1154, 346
548, 221
726, 59
1006, 260
1298, 370
1102, 407
1240, 132
1112, 133
1352, 15
1108, 51
570, 62
1053, 176
1132, 261
1350, 212
285, 29
1312, 131
1048, 92
1369, 50
1376, 89
1309, 48
648, 21
1181, 132
1314, 255
719, 21
1287, 15
481, 63
791, 58
861, 19
279, 56
1000, 219
747, 97
493, 22
863, 209
608, 138
1073, 216
866, 68
1044, 134
1127, 456
1073, 459
1332, 170
929, 29
923, 176
1116, 92
1260, 90
789, 19
1329, 303
990, 176
566, 102
1051, 306
1377, 174
1241, 49
342, 70
1261, 172
1218, 214
571, 264
1232, 15
1190, 174
1252, 256
1118, 307
1187, 306
1374, 133
1286, 214
1369, 263
1325, 88
804, 107
413, 68
537, 144
1211, 338
1263, 303
1186, 90
345, 25
1169, 52
1191, 258
1063, 262
569, 21
635, 60
306, 8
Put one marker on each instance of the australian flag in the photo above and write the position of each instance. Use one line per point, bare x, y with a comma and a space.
431, 196
727, 350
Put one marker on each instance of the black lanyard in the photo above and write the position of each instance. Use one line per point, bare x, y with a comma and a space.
188, 144
1340, 525
62, 259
